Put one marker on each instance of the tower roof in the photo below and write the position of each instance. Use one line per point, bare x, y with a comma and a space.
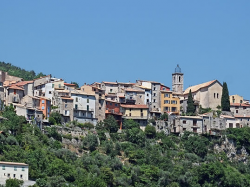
178, 69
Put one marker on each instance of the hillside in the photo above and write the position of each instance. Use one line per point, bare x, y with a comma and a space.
130, 158
19, 72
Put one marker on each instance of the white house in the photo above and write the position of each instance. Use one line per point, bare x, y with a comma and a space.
14, 170
84, 106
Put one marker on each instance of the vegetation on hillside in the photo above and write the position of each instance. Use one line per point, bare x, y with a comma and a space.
130, 158
225, 102
19, 72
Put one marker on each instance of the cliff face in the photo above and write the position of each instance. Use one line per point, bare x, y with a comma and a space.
233, 154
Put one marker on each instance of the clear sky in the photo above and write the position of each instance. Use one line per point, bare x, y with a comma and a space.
126, 40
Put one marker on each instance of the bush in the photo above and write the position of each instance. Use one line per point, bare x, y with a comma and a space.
13, 183
150, 131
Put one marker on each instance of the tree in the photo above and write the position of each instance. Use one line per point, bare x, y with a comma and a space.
13, 183
90, 142
225, 102
111, 124
56, 116
77, 85
190, 104
150, 131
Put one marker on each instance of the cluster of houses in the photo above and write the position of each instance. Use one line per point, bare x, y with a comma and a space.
141, 101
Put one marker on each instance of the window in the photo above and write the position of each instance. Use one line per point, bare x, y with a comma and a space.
52, 85
147, 94
49, 92
154, 94
154, 101
21, 176
179, 78
166, 101
42, 101
100, 108
236, 111
76, 99
87, 107
116, 104
154, 88
8, 175
217, 96
66, 105
184, 122
166, 109
129, 114
14, 175
15, 92
42, 107
110, 90
66, 101
87, 100
141, 110
15, 168
110, 104
230, 125
3, 167
59, 85
173, 102
76, 106
240, 101
166, 95
147, 100
214, 95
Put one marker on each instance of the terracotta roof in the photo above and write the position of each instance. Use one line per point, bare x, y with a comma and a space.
239, 104
109, 82
14, 163
226, 116
134, 106
14, 87
133, 90
80, 92
68, 84
67, 98
191, 117
239, 116
199, 86
22, 83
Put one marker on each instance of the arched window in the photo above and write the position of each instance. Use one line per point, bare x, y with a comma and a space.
179, 78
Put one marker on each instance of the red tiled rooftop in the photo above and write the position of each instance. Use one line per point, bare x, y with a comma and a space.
239, 104
68, 84
199, 86
134, 106
68, 98
14, 87
240, 116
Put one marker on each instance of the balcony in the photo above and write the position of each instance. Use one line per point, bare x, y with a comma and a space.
135, 117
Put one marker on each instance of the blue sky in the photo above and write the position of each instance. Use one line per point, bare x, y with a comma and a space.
88, 41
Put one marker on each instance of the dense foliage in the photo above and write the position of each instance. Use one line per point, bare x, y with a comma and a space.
225, 102
128, 158
190, 104
18, 72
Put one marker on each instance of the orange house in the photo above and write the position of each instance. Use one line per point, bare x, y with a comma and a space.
45, 106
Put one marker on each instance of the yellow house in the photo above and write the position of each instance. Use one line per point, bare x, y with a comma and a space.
169, 102
138, 113
236, 99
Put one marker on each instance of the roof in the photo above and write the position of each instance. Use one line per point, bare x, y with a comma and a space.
109, 82
107, 100
199, 86
134, 106
22, 83
14, 87
80, 92
240, 116
226, 116
68, 84
13, 163
67, 98
239, 104
42, 77
191, 117
133, 90
149, 81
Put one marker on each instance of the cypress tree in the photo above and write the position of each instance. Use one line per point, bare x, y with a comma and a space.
225, 102
190, 104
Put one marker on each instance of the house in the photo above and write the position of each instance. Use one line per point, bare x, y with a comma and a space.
188, 123
84, 106
138, 113
39, 85
208, 94
100, 105
240, 109
14, 170
236, 99
231, 121
14, 94
135, 96
169, 102
69, 86
113, 109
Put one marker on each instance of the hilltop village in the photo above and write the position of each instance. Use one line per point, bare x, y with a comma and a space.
146, 102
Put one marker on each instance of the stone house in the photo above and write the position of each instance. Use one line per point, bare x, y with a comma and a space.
39, 85
84, 106
113, 109
240, 109
135, 96
208, 94
138, 113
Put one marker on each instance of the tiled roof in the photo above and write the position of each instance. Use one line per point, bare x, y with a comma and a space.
240, 116
67, 98
226, 116
13, 163
191, 117
199, 86
239, 104
68, 84
109, 82
14, 87
133, 90
22, 83
134, 106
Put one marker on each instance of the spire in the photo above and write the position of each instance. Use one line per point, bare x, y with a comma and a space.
178, 69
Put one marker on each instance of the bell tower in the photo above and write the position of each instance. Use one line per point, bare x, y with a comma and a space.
177, 80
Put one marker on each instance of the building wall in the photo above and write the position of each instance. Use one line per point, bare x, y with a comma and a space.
170, 105
240, 110
235, 123
215, 93
49, 91
135, 112
66, 109
236, 99
11, 171
148, 97
29, 89
41, 81
45, 107
155, 104
110, 88
177, 82
11, 95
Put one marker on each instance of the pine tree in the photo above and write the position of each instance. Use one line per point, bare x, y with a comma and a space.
225, 102
190, 104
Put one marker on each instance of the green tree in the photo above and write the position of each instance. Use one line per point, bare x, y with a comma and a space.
190, 104
90, 142
111, 124
77, 85
164, 116
13, 183
150, 131
225, 102
56, 116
